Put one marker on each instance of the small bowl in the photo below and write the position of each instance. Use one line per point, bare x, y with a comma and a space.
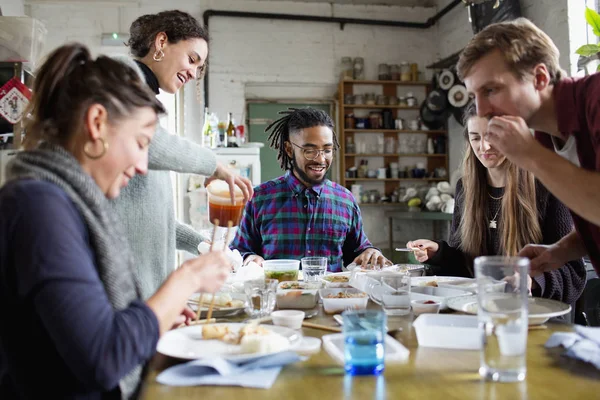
288, 318
425, 306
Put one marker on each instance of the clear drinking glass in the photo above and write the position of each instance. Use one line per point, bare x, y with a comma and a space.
502, 300
364, 335
313, 268
260, 297
392, 293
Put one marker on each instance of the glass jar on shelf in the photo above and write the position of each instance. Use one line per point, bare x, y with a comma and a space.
370, 99
349, 122
394, 72
411, 100
350, 146
384, 72
405, 74
347, 68
359, 68
402, 102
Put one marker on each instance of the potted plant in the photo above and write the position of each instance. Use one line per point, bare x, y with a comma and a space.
589, 53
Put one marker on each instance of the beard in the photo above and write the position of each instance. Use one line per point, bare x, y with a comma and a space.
303, 176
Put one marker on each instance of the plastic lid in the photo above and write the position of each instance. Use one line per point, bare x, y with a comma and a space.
308, 345
220, 188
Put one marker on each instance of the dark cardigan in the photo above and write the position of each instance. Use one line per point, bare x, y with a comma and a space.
564, 284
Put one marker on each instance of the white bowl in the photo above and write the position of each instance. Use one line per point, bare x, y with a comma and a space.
422, 307
288, 318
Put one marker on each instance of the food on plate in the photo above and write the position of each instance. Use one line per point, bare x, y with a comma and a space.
429, 302
337, 278
431, 283
264, 343
290, 275
224, 334
345, 295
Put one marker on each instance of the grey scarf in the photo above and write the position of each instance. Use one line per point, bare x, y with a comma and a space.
114, 260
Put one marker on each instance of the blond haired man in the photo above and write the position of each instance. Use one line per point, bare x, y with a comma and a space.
511, 69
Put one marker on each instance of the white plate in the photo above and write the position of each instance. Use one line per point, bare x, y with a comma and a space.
187, 343
217, 311
395, 352
540, 309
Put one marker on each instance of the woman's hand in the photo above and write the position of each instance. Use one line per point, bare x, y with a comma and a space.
423, 249
226, 174
186, 316
209, 271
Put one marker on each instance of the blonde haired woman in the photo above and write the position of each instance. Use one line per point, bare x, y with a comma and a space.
499, 209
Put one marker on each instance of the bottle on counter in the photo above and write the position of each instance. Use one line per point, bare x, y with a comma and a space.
231, 138
206, 129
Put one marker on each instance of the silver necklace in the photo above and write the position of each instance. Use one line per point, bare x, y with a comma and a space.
493, 222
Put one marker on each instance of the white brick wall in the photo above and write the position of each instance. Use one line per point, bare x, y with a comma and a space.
12, 8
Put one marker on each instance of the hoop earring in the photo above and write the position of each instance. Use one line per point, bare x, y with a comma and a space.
158, 55
94, 156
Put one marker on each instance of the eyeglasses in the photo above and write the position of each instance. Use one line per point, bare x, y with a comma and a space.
312, 154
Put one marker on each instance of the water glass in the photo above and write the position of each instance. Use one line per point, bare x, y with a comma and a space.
260, 297
364, 335
392, 293
313, 268
502, 311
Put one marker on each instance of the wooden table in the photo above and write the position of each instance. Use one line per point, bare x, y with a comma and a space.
429, 374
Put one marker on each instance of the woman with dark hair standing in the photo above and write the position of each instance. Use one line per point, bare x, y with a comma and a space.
499, 209
73, 324
170, 50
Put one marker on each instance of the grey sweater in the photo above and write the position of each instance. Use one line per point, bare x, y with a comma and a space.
146, 206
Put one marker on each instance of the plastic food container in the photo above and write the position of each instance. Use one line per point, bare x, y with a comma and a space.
338, 300
448, 331
297, 295
337, 280
289, 318
220, 206
282, 270
425, 307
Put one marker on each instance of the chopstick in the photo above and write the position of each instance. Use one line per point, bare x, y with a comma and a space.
216, 224
197, 322
537, 327
322, 327
199, 310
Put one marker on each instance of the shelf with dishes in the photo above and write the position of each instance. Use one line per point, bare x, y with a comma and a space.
393, 155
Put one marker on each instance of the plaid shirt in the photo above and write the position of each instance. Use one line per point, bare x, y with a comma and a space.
287, 220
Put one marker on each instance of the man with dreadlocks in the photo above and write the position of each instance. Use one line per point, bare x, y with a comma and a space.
301, 213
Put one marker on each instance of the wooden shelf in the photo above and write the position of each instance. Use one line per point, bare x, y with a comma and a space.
437, 132
392, 155
395, 179
376, 106
376, 82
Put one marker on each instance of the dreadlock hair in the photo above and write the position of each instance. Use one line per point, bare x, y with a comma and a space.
293, 121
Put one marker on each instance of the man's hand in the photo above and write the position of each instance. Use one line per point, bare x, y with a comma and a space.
543, 258
233, 180
371, 256
511, 136
257, 259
